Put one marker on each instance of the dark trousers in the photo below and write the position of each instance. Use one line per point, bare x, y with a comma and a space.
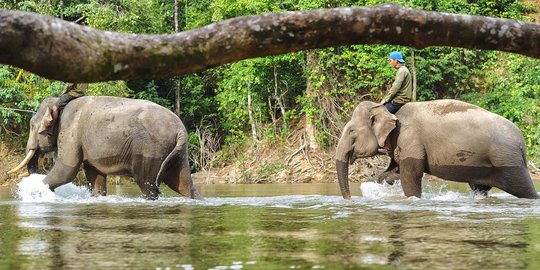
63, 100
392, 107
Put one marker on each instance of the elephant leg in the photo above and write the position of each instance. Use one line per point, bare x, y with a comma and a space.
390, 175
60, 174
96, 180
391, 178
480, 189
145, 175
411, 173
178, 178
516, 181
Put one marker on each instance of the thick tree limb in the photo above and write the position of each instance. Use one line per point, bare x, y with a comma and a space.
60, 50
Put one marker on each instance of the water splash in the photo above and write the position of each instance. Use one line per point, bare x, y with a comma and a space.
32, 189
375, 191
436, 196
430, 191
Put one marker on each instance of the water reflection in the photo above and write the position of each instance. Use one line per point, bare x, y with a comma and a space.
313, 229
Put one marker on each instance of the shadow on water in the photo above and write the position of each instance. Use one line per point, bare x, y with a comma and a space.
265, 227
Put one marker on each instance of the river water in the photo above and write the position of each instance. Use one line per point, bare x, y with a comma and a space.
271, 226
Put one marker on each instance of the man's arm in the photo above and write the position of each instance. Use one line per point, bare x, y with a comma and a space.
392, 92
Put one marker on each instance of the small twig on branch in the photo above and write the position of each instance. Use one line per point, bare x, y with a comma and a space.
3, 128
17, 110
79, 19
289, 158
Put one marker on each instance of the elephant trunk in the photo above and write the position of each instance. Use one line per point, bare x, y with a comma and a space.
343, 178
343, 154
24, 162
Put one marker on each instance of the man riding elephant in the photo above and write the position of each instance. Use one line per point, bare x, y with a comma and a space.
401, 90
71, 92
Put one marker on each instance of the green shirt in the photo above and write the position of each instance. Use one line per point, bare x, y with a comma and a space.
76, 90
401, 90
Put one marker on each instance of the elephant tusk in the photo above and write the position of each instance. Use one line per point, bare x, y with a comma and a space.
24, 174
24, 162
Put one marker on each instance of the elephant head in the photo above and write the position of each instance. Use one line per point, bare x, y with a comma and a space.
362, 136
39, 142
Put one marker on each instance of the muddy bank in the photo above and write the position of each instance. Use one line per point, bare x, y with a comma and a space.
260, 164
287, 164
9, 158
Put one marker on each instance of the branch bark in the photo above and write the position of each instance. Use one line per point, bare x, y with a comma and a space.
60, 50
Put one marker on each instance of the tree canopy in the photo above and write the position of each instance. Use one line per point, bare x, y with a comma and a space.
60, 50
72, 41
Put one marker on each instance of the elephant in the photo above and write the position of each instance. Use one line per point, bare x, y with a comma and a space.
449, 139
112, 136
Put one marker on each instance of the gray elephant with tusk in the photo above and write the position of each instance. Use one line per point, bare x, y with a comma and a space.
113, 136
450, 139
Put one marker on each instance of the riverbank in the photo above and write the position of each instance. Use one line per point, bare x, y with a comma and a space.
287, 163
259, 164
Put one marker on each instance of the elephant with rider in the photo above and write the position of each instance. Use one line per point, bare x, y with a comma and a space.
450, 139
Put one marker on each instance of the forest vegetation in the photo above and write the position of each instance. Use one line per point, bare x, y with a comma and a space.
278, 118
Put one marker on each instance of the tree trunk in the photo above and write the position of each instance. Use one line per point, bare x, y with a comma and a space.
310, 92
413, 70
277, 97
179, 80
178, 92
252, 119
176, 16
65, 51
61, 9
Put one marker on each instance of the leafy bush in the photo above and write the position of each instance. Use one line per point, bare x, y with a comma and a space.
512, 88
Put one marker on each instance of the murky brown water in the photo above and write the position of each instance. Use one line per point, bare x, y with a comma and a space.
277, 226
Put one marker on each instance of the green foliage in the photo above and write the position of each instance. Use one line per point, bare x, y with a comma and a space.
117, 88
324, 90
150, 93
266, 173
239, 80
225, 9
141, 16
255, 77
197, 99
21, 90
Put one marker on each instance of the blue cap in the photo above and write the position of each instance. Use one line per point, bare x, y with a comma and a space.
396, 55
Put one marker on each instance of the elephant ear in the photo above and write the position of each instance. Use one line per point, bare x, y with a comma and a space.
382, 123
45, 122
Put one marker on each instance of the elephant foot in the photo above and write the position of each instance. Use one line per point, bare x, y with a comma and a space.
384, 151
149, 197
195, 194
96, 193
479, 190
389, 177
151, 194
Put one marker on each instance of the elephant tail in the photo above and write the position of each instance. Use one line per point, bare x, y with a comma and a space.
173, 159
523, 149
179, 181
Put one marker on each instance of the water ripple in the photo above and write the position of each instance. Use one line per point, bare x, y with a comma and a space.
437, 198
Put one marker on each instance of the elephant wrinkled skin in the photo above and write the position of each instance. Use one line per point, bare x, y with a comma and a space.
450, 139
114, 136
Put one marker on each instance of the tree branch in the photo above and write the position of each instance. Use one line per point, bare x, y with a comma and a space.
65, 51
